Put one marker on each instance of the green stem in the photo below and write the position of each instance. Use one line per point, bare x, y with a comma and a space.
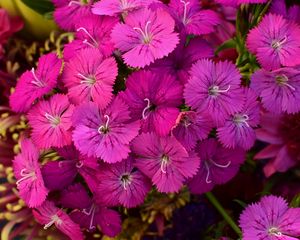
224, 214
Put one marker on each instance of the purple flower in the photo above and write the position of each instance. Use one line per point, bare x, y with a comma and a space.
48, 214
214, 88
179, 62
104, 134
191, 127
36, 83
218, 165
51, 122
92, 32
153, 100
238, 129
270, 219
275, 42
164, 160
279, 89
292, 13
89, 76
238, 2
121, 184
145, 36
27, 171
191, 19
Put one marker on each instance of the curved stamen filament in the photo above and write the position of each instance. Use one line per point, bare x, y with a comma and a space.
74, 3
164, 162
283, 80
220, 165
25, 175
86, 80
89, 35
278, 44
145, 33
54, 219
185, 4
91, 213
51, 119
207, 180
125, 180
146, 108
36, 81
104, 127
214, 90
79, 164
274, 231
242, 119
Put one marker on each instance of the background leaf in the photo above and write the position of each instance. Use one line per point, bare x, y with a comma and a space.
43, 7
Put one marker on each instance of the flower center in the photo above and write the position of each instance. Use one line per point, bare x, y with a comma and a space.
150, 107
125, 180
37, 82
26, 174
54, 120
54, 219
165, 159
146, 35
93, 43
185, 5
210, 162
104, 129
215, 90
185, 121
274, 231
90, 80
277, 44
240, 119
282, 80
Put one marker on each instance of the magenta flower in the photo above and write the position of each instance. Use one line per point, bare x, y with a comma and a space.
282, 133
179, 62
218, 166
51, 122
270, 219
92, 32
276, 48
214, 88
165, 161
192, 127
191, 19
279, 89
36, 83
89, 76
145, 36
104, 134
27, 171
68, 12
48, 214
116, 7
153, 100
292, 13
238, 129
122, 185
238, 2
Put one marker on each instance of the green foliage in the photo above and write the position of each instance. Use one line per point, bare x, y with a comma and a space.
43, 7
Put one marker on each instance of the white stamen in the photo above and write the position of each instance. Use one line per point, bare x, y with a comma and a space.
36, 81
146, 108
185, 4
54, 219
220, 165
25, 175
86, 80
278, 44
241, 119
74, 2
53, 120
90, 36
105, 126
283, 80
92, 213
207, 180
164, 162
214, 90
125, 181
275, 231
79, 164
145, 34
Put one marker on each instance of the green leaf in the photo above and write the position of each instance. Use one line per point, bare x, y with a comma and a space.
43, 7
295, 201
231, 43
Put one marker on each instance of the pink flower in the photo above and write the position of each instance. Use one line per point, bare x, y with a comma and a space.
153, 100
279, 89
192, 127
104, 134
27, 171
238, 129
276, 48
47, 214
270, 219
238, 2
191, 19
165, 161
51, 122
121, 184
92, 32
36, 83
280, 7
214, 88
218, 165
89, 76
145, 36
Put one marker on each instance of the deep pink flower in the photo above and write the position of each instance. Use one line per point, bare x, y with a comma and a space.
238, 2
282, 132
51, 122
104, 134
68, 12
238, 129
89, 76
270, 219
279, 89
92, 32
275, 42
154, 98
145, 36
164, 160
191, 19
36, 83
192, 127
218, 165
179, 62
48, 214
214, 88
122, 185
116, 7
27, 171
291, 13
